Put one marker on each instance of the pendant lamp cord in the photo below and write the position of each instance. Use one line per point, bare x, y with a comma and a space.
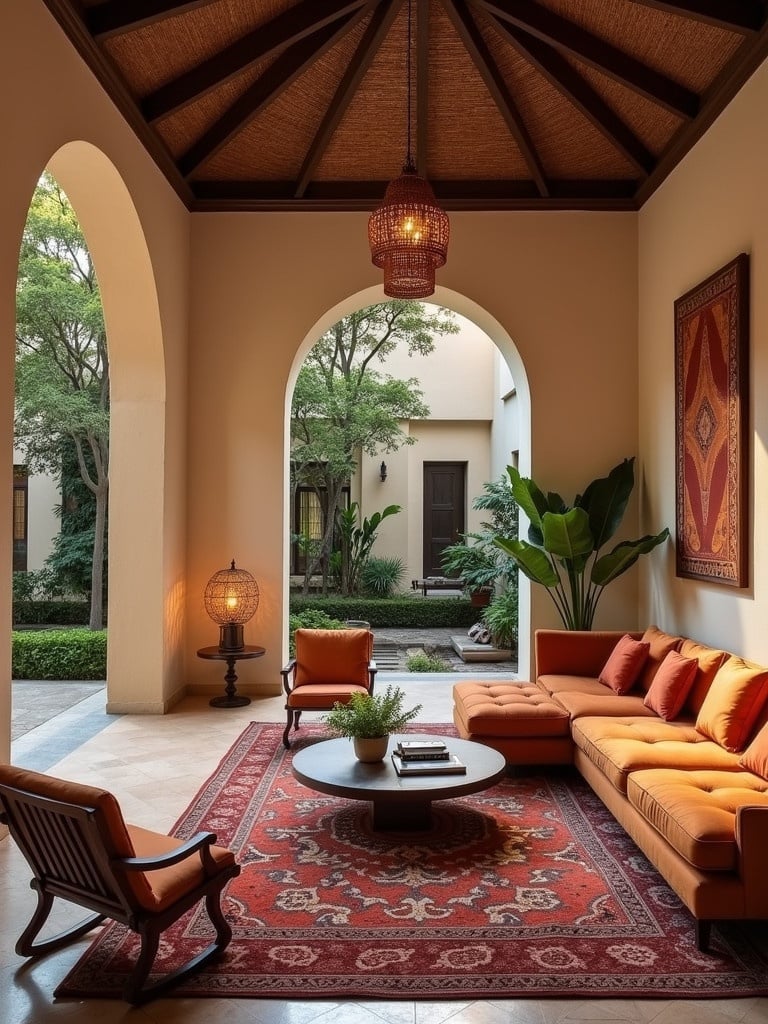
409, 164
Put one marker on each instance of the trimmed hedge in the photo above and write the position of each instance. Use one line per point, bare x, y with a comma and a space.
59, 654
51, 613
403, 612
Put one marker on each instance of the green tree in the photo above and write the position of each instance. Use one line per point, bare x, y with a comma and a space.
62, 366
343, 405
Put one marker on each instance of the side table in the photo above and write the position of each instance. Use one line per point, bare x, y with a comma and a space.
231, 698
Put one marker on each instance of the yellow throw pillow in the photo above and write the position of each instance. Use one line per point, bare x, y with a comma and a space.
733, 703
755, 757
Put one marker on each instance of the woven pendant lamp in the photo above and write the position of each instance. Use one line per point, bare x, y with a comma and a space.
408, 232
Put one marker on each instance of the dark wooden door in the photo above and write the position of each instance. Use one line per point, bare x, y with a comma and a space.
443, 511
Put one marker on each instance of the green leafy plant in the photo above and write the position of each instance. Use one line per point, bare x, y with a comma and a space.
59, 654
357, 541
422, 662
381, 577
501, 618
476, 559
564, 542
370, 715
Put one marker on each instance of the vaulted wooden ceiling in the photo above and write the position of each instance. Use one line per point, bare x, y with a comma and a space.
516, 104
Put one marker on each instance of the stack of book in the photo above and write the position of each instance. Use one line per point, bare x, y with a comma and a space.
425, 757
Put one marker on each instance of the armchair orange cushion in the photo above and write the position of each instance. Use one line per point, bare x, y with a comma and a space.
333, 656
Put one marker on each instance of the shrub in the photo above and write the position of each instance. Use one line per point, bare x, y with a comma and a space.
381, 577
422, 662
59, 654
51, 613
406, 612
501, 618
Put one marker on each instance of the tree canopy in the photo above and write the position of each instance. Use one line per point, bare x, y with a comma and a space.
62, 364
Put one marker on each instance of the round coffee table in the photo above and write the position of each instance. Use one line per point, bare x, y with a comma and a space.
398, 804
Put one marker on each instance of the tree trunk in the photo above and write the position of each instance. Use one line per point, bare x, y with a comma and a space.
97, 568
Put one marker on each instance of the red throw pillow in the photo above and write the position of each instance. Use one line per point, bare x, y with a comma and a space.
755, 757
625, 664
671, 685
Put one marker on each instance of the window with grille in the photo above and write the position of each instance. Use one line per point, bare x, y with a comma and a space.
20, 517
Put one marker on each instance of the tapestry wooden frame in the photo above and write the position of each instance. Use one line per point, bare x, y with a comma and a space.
711, 426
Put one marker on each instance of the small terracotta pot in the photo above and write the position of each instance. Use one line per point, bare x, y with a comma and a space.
370, 749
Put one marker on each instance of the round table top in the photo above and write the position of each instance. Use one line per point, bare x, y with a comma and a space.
331, 767
215, 653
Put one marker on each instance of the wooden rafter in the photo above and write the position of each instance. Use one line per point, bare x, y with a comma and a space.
737, 15
291, 26
570, 83
275, 80
422, 86
378, 27
571, 38
115, 16
478, 50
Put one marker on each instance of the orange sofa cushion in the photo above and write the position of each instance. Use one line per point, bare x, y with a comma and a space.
660, 644
755, 757
734, 701
695, 811
710, 659
606, 704
333, 656
671, 685
624, 665
508, 709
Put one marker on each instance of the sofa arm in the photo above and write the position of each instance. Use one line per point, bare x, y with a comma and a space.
575, 652
752, 843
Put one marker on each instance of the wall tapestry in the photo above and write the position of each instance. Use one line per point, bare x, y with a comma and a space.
712, 410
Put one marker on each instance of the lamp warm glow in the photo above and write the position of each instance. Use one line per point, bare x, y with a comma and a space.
408, 232
231, 599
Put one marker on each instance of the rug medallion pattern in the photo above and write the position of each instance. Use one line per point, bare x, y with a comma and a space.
529, 888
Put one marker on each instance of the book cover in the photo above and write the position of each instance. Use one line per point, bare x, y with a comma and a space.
426, 755
434, 767
421, 746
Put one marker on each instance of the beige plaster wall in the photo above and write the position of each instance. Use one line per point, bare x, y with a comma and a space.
50, 102
711, 208
555, 291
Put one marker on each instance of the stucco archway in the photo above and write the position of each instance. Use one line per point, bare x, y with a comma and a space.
501, 338
116, 240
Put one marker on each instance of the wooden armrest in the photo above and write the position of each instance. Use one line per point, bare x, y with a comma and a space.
199, 842
285, 673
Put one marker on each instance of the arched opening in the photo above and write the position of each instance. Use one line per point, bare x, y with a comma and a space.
503, 342
113, 232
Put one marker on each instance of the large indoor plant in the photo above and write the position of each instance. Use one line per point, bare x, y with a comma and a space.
563, 550
371, 716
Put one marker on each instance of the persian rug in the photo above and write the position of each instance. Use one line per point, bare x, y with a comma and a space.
527, 889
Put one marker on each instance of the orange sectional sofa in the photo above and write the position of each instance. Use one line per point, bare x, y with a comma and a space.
690, 788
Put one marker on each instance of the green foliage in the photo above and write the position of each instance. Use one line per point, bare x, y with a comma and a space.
50, 613
421, 662
477, 560
407, 612
35, 585
357, 541
501, 618
564, 542
59, 654
309, 618
371, 715
381, 577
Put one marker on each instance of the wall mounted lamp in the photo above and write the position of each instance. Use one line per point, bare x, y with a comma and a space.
231, 599
383, 471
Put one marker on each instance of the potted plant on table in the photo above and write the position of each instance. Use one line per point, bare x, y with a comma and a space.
368, 720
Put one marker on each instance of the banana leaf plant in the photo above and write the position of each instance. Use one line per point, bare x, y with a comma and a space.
563, 550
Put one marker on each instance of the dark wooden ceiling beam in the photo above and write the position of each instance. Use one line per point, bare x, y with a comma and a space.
378, 27
481, 56
116, 16
570, 83
422, 86
275, 80
737, 15
291, 26
569, 37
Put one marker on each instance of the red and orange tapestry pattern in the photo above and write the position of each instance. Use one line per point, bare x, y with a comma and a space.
711, 392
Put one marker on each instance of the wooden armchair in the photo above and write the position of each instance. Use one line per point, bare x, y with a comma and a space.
80, 849
330, 665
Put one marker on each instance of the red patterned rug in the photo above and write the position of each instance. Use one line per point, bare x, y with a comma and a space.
526, 889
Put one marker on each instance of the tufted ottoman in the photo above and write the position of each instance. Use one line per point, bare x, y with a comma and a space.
517, 719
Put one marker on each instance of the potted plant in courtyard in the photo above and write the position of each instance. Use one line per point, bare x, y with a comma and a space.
368, 720
563, 550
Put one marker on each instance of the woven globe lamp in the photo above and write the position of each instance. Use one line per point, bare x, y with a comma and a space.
408, 234
231, 599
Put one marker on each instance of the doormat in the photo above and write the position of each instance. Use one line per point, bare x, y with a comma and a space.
527, 889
